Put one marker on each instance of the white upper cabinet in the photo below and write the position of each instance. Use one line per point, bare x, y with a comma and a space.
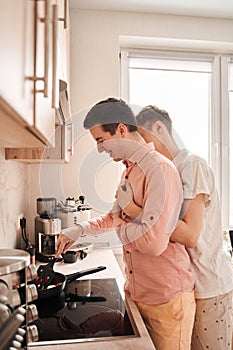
16, 38
29, 69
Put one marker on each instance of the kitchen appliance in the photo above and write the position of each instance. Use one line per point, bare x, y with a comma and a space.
87, 310
47, 229
72, 211
78, 250
20, 285
14, 308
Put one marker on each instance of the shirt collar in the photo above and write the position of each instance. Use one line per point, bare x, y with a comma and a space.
138, 155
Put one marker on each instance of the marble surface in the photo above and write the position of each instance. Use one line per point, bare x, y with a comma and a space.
14, 194
96, 258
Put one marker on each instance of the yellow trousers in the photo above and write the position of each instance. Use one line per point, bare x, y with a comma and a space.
170, 325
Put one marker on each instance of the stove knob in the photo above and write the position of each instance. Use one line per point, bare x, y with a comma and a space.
19, 338
3, 299
21, 332
32, 313
11, 327
21, 310
4, 313
32, 333
31, 292
20, 293
16, 344
15, 298
31, 272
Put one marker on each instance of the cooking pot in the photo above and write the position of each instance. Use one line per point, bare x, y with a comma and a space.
58, 282
70, 256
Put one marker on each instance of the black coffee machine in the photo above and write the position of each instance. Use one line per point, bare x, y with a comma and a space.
47, 229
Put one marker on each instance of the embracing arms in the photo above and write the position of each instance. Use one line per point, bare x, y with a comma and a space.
188, 229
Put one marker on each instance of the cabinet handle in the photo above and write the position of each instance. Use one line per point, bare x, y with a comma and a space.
70, 139
64, 19
54, 55
44, 20
46, 47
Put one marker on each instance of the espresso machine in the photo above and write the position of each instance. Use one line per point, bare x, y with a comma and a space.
47, 229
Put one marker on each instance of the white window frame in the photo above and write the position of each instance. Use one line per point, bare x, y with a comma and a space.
221, 52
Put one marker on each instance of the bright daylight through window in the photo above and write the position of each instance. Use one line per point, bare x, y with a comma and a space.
189, 87
230, 87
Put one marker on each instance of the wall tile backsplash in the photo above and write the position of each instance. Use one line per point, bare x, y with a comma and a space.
14, 185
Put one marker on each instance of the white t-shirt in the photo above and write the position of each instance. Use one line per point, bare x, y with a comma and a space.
209, 262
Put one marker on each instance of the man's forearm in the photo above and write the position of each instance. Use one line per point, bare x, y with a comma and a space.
184, 235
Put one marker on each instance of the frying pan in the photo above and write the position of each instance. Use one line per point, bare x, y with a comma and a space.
59, 281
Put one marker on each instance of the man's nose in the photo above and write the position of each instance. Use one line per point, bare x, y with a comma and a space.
100, 147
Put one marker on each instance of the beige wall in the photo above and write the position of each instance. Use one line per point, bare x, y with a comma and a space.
95, 46
94, 76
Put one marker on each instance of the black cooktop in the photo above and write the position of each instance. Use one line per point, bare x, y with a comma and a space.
87, 309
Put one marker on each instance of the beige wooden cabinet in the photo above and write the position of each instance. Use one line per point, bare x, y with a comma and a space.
28, 71
62, 152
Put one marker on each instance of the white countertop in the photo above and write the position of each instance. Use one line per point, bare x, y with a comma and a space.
104, 257
95, 258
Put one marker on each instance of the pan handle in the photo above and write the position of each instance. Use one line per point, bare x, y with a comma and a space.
73, 276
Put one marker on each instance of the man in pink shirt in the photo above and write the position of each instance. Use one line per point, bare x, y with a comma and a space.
158, 275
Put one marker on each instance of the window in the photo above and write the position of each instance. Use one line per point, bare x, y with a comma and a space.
193, 88
182, 88
230, 149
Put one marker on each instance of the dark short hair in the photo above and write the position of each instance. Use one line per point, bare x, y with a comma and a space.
150, 114
109, 114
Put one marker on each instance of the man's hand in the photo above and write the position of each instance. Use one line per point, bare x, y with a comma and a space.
63, 244
67, 238
116, 209
124, 195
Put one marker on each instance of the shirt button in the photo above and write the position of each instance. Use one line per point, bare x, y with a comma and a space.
131, 271
151, 217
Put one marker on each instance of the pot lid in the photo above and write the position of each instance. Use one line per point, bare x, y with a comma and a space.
12, 260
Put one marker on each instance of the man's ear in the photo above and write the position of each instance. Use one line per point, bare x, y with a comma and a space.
158, 127
122, 128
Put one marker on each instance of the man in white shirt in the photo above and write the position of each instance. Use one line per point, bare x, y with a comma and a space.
200, 230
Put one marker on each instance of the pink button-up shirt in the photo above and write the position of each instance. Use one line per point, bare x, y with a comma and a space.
156, 269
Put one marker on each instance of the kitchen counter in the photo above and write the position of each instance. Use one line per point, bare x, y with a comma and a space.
96, 258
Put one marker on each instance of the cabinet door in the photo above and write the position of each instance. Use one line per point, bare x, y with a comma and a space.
17, 56
46, 88
63, 40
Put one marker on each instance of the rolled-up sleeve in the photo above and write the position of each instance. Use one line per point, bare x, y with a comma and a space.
97, 225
